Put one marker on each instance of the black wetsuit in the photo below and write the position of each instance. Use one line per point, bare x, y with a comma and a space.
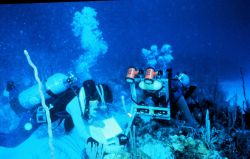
19, 134
59, 102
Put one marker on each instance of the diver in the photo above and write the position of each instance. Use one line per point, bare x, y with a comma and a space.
60, 89
78, 107
153, 90
182, 97
93, 118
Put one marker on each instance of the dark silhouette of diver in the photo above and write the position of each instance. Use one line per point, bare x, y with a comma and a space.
29, 119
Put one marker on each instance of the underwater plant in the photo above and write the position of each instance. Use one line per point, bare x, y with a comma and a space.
208, 129
45, 107
86, 27
155, 57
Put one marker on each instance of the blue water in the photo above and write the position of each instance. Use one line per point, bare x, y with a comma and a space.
210, 39
205, 36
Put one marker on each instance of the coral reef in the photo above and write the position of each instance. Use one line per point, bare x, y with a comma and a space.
166, 142
155, 57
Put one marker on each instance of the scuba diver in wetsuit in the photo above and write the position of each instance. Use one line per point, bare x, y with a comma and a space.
60, 89
92, 116
61, 93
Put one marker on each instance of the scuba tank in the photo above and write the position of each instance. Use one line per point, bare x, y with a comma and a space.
54, 85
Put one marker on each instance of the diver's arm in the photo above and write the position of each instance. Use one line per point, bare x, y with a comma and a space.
74, 110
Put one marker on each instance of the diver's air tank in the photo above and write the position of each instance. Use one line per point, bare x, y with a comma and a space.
54, 85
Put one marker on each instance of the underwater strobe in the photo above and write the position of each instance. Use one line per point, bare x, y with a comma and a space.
132, 72
150, 74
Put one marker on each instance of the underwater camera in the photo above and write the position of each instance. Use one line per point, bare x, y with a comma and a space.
151, 82
149, 76
132, 72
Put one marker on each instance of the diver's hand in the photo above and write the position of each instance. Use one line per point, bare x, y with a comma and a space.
94, 149
92, 141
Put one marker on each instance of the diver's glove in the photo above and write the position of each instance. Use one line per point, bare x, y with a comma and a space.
92, 141
123, 139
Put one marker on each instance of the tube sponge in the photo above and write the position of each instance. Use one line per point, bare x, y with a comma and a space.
155, 57
45, 107
85, 26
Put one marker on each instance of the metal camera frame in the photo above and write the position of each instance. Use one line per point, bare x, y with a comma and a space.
155, 112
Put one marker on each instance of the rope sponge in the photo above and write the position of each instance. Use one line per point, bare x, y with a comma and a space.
46, 108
